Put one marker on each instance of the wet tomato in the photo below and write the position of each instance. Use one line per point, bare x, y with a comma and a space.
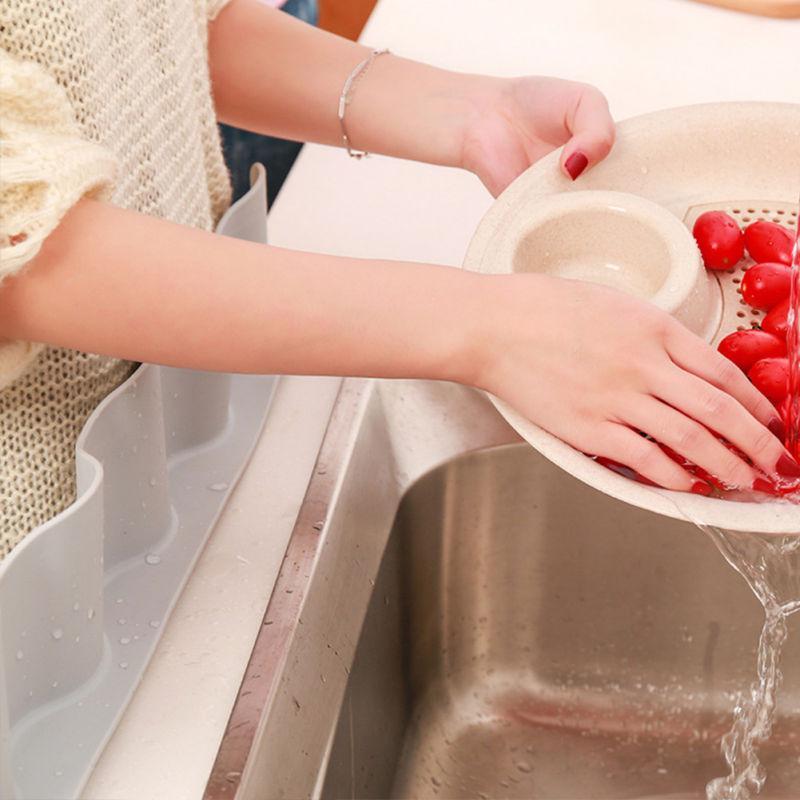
771, 377
744, 348
766, 285
777, 321
768, 241
719, 238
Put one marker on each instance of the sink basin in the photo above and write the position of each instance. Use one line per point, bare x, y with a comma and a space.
528, 637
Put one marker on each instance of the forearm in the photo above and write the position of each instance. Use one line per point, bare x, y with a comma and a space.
120, 283
273, 74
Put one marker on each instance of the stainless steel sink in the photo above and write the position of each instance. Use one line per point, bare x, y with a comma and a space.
528, 637
456, 617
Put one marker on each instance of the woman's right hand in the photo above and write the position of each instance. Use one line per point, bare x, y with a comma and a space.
594, 367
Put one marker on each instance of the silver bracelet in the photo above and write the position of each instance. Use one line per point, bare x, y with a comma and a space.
345, 99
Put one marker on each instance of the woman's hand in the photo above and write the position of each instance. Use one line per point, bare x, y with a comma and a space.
516, 121
594, 366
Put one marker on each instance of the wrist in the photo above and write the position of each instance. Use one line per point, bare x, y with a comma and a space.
475, 328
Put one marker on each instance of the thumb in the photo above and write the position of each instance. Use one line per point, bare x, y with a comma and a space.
592, 130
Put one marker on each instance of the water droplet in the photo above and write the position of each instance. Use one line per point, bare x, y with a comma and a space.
218, 487
121, 621
90, 614
54, 684
76, 606
59, 773
154, 623
123, 665
125, 640
523, 766
20, 655
152, 559
153, 482
77, 639
57, 633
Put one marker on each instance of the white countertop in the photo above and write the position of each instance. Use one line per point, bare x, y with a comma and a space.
646, 55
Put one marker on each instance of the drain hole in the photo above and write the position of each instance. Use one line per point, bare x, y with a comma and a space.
740, 314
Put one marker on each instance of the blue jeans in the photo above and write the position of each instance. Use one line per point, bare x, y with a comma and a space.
243, 148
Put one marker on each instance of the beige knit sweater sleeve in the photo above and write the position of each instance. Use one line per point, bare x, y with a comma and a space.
45, 167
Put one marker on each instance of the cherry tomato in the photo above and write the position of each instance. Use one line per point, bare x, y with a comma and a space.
692, 468
744, 348
771, 377
766, 285
767, 241
777, 321
623, 470
719, 238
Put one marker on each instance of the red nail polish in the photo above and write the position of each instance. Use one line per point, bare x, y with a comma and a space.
762, 485
787, 467
777, 428
701, 487
576, 164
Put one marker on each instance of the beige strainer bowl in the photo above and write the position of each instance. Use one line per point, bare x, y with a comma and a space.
625, 224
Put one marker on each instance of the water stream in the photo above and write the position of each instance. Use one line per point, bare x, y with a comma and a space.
771, 567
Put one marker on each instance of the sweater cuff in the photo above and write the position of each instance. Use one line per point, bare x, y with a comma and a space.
213, 7
47, 166
15, 359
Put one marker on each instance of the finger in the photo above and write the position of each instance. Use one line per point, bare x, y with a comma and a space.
689, 439
592, 130
692, 354
723, 414
647, 458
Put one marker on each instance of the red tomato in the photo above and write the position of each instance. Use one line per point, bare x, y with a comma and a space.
767, 241
744, 348
719, 238
623, 470
692, 468
766, 285
777, 321
771, 377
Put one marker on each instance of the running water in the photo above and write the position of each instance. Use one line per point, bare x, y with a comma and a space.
771, 567
793, 346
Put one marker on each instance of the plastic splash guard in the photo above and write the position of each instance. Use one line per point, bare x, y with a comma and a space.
84, 597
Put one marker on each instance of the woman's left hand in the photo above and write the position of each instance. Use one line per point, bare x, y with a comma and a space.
516, 121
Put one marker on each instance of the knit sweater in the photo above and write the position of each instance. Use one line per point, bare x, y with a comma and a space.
104, 98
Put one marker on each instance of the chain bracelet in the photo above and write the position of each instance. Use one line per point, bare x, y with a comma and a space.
346, 97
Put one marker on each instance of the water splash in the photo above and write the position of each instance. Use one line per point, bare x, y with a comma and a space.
771, 567
793, 346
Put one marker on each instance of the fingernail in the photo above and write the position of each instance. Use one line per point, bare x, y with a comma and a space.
787, 467
777, 428
701, 487
576, 164
761, 485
